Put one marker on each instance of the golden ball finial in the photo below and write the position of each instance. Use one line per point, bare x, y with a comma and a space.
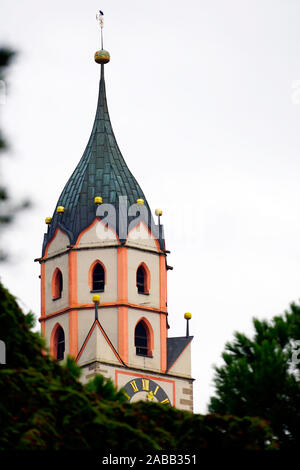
98, 200
102, 57
158, 212
96, 299
187, 315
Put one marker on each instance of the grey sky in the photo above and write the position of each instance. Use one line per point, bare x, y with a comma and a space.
205, 104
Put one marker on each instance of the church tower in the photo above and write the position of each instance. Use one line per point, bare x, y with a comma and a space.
104, 276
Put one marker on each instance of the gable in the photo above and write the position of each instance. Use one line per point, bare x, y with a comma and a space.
179, 355
97, 347
59, 242
97, 234
141, 236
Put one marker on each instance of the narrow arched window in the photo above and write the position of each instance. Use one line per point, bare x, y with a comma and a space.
98, 280
141, 339
60, 344
57, 343
143, 279
57, 284
140, 280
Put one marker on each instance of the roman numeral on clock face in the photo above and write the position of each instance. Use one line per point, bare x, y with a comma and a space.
165, 401
145, 384
134, 386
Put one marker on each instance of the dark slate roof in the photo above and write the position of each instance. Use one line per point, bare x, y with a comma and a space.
175, 346
102, 171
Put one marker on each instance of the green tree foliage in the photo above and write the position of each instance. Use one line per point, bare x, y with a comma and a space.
43, 406
260, 376
106, 389
6, 57
5, 215
8, 210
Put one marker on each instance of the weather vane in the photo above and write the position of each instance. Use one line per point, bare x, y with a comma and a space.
101, 57
99, 18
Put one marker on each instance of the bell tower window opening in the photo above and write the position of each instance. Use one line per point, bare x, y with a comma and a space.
60, 344
57, 342
98, 278
143, 279
142, 339
57, 284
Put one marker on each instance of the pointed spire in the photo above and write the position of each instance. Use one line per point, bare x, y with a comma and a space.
101, 172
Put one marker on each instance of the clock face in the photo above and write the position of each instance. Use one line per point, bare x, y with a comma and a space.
145, 389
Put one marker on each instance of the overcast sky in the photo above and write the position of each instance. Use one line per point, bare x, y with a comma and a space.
204, 99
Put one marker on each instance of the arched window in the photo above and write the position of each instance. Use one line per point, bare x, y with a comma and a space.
98, 278
140, 339
143, 279
57, 343
60, 344
57, 284
143, 339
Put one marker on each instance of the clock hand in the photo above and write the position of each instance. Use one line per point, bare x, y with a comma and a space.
150, 395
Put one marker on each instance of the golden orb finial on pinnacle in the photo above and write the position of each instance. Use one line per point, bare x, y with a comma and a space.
187, 316
96, 298
102, 57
